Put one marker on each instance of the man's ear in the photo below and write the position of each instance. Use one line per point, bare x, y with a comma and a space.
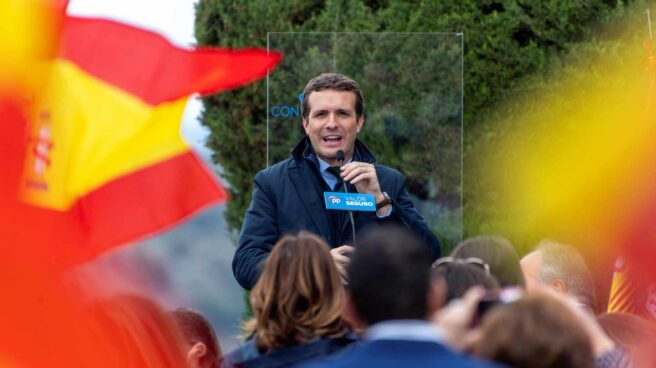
436, 295
197, 351
360, 123
559, 285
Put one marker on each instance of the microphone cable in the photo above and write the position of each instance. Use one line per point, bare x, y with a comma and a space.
340, 159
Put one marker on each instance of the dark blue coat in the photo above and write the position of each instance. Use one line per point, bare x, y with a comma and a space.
247, 356
400, 353
288, 197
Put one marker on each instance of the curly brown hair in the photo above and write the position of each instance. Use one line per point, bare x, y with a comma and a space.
299, 296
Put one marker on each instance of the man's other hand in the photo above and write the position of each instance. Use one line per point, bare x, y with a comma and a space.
363, 176
341, 258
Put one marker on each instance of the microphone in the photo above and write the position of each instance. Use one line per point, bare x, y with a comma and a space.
340, 159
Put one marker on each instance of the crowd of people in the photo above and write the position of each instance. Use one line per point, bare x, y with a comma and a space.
322, 299
479, 307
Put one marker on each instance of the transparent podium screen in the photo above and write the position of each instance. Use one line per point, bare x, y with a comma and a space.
412, 87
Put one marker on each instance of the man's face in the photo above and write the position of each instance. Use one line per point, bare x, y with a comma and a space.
531, 265
331, 123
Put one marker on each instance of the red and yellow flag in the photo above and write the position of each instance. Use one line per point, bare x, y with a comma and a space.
622, 291
633, 287
90, 158
105, 162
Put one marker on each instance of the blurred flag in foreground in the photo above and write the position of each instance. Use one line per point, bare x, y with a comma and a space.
633, 287
104, 161
576, 160
90, 158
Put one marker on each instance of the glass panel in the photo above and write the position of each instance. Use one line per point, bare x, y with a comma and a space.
412, 85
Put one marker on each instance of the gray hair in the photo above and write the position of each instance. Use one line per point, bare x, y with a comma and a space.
563, 262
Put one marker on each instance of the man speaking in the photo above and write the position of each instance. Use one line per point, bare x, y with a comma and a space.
289, 196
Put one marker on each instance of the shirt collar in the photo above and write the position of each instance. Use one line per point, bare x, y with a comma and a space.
323, 165
585, 307
416, 330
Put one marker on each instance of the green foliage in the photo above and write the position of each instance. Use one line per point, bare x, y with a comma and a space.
506, 45
586, 64
238, 136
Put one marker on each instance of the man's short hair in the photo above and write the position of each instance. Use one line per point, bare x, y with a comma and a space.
563, 262
460, 277
389, 275
336, 82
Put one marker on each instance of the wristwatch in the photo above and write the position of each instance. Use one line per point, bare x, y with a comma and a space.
386, 200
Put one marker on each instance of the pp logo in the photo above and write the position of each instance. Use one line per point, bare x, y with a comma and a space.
334, 200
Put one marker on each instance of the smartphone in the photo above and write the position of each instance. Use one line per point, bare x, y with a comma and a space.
496, 298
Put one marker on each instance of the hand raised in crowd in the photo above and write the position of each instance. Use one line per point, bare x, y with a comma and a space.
600, 341
454, 320
340, 256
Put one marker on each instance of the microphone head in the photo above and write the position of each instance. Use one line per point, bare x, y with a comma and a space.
340, 156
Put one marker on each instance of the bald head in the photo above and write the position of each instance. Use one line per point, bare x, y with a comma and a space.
531, 265
560, 267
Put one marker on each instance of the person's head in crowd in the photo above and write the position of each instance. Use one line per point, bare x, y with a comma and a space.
562, 268
628, 331
299, 296
203, 349
536, 331
332, 108
135, 332
460, 275
389, 277
498, 253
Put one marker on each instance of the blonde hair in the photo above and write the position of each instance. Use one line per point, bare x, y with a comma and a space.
299, 296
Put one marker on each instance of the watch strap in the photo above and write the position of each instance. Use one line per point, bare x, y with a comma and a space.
386, 200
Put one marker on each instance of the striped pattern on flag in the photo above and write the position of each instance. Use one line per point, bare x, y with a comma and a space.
622, 293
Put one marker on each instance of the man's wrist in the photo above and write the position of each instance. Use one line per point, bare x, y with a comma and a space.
383, 200
383, 204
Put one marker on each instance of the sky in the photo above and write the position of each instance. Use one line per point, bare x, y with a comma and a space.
173, 19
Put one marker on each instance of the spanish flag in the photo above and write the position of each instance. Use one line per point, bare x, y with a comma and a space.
91, 158
622, 291
104, 161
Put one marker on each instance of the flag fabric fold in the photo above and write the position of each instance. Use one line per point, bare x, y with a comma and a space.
105, 163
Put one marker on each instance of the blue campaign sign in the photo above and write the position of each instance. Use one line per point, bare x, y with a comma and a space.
349, 201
